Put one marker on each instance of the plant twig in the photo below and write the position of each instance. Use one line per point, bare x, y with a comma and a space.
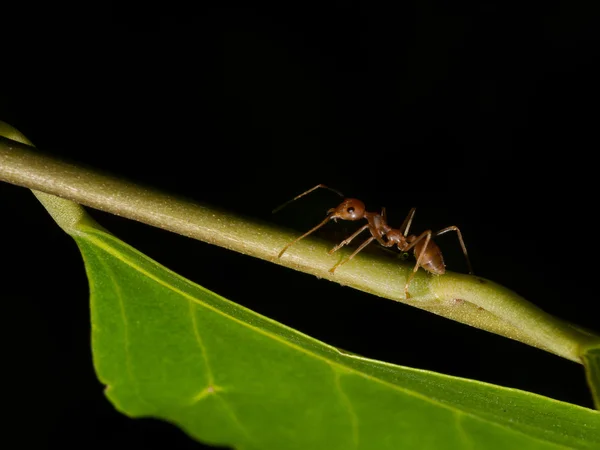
467, 299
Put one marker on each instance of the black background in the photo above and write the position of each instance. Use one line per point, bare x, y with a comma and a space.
481, 116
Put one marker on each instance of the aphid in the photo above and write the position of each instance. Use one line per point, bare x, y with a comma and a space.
426, 251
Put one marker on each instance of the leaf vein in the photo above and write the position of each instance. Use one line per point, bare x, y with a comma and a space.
464, 436
126, 340
234, 418
348, 405
200, 342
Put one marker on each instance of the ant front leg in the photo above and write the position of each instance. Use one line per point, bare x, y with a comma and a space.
344, 261
348, 240
327, 219
460, 239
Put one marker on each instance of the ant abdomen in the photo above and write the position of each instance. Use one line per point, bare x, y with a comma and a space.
432, 260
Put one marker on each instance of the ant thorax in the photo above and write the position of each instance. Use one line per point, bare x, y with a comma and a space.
396, 237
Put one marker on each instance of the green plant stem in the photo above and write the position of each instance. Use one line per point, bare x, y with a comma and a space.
468, 299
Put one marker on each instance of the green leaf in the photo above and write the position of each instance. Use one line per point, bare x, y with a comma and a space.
168, 348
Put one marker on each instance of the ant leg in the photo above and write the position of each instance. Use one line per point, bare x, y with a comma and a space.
460, 239
348, 240
407, 222
371, 226
424, 235
377, 225
303, 194
327, 219
344, 261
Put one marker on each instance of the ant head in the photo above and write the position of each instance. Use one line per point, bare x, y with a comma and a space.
349, 209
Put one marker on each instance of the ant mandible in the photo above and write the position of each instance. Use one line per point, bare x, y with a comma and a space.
426, 251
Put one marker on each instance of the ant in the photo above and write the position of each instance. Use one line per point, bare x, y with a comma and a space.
426, 251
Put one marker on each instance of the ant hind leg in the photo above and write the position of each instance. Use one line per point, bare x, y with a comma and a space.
460, 239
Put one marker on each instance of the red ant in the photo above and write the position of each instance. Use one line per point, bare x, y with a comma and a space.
426, 251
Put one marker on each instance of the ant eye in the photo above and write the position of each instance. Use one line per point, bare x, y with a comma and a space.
350, 210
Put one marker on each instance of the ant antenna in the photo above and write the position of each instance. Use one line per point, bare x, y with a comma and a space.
279, 208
